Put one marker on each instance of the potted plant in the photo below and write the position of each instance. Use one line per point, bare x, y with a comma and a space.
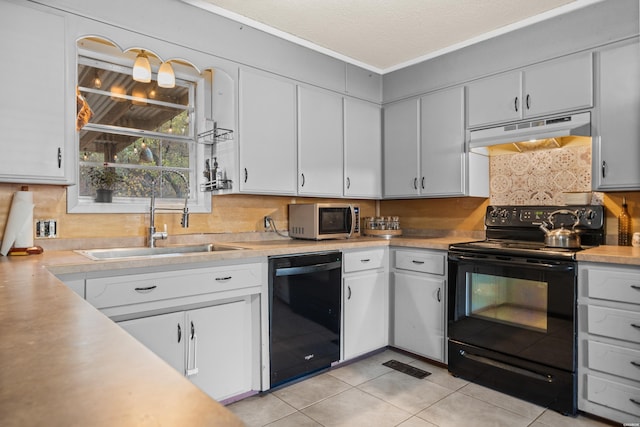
104, 179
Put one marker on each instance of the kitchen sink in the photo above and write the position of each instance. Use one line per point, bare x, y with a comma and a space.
120, 253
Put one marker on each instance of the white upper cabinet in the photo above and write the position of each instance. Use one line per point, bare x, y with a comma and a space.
362, 149
495, 99
557, 86
442, 143
617, 136
36, 109
319, 143
424, 146
267, 134
401, 138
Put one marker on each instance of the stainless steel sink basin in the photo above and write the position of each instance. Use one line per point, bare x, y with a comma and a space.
120, 253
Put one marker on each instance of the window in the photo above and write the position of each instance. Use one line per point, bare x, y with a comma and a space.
142, 132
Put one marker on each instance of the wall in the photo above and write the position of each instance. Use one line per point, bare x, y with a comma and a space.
230, 214
465, 215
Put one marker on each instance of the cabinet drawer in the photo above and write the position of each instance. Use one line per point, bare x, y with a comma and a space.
614, 395
615, 360
609, 322
139, 288
614, 285
424, 262
363, 260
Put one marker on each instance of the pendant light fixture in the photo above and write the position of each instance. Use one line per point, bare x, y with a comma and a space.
142, 68
166, 76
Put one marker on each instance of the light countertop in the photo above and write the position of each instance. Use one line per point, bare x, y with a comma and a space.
62, 362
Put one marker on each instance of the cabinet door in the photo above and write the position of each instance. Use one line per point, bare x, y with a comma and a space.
32, 106
267, 134
365, 328
401, 138
164, 334
418, 315
558, 86
362, 149
442, 143
320, 143
618, 132
219, 349
495, 99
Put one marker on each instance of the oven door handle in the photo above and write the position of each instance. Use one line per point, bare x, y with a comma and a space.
513, 262
501, 365
305, 269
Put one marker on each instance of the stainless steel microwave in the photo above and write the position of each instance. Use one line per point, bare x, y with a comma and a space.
319, 221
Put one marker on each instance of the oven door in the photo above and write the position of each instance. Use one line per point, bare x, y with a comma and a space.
517, 306
511, 325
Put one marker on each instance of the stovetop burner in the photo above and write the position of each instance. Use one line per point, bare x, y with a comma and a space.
515, 230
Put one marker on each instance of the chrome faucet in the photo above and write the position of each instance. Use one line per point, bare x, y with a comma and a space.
154, 235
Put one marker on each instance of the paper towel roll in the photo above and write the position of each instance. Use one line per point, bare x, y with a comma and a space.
19, 228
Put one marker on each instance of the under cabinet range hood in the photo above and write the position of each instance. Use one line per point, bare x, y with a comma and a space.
531, 134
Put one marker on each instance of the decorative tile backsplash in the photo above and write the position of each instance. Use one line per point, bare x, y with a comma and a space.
539, 177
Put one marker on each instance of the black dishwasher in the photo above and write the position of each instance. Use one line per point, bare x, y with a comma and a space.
304, 314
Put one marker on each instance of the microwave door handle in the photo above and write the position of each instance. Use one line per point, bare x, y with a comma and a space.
352, 222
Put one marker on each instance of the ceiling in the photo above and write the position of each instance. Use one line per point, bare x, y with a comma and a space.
384, 35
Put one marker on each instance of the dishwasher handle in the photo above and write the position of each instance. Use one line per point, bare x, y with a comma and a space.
305, 269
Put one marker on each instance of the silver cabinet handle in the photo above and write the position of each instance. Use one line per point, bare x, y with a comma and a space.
636, 364
633, 325
422, 183
636, 287
222, 279
604, 169
303, 181
179, 332
194, 340
348, 183
528, 102
632, 400
438, 295
348, 292
59, 157
515, 104
417, 262
415, 183
365, 260
246, 175
145, 290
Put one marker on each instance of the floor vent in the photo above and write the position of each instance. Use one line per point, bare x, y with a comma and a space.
406, 369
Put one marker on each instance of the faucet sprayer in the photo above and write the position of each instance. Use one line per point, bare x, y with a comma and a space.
153, 235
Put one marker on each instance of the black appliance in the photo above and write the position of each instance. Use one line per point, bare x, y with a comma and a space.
512, 304
304, 314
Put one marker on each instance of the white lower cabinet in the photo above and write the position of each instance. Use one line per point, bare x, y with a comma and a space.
205, 321
365, 302
418, 289
210, 345
609, 341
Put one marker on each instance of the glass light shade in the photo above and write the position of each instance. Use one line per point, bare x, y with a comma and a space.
166, 76
117, 90
139, 92
142, 69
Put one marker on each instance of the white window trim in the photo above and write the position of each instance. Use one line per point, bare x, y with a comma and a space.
199, 201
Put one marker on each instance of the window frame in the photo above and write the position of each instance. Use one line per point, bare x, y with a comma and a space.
200, 98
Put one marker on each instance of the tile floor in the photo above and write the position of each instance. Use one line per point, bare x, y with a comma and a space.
368, 394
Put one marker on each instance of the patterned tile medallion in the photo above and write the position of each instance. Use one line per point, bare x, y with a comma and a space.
539, 177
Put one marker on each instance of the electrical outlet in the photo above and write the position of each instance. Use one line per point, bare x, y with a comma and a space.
46, 228
267, 222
